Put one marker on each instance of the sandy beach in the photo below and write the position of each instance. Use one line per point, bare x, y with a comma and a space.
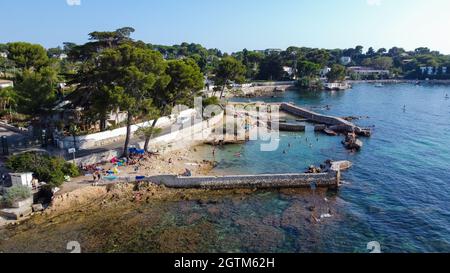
81, 188
172, 163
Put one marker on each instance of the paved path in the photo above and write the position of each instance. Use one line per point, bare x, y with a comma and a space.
12, 136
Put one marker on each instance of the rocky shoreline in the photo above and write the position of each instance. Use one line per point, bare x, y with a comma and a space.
143, 217
173, 163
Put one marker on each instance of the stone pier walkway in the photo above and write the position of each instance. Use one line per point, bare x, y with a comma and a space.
264, 181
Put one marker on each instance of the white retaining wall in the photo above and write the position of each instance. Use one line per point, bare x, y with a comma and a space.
181, 139
107, 137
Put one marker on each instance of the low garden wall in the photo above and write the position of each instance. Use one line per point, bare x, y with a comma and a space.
108, 137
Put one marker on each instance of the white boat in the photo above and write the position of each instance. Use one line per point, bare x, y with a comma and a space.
379, 85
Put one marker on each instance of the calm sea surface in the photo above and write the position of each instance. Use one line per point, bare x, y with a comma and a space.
397, 193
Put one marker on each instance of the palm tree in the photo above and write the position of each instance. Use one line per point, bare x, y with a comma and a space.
8, 99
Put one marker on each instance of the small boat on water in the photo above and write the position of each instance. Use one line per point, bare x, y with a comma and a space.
330, 132
379, 85
341, 165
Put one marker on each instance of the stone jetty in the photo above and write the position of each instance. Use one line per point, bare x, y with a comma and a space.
287, 126
329, 179
334, 123
331, 125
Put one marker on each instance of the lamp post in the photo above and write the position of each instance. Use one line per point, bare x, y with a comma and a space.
5, 145
44, 138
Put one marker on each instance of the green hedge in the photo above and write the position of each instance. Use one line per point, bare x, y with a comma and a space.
45, 168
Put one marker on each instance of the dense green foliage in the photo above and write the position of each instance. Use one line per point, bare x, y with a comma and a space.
211, 101
336, 74
229, 71
206, 59
119, 73
36, 91
8, 98
45, 168
112, 73
27, 56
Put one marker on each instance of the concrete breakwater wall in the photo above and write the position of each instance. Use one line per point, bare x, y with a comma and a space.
265, 181
318, 118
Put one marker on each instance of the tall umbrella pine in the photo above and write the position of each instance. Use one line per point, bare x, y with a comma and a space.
183, 80
230, 70
136, 73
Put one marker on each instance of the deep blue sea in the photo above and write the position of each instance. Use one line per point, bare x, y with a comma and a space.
397, 193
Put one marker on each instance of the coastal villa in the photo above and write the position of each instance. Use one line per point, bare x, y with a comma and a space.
337, 86
324, 72
345, 60
6, 83
368, 71
432, 71
62, 56
3, 55
290, 71
273, 50
270, 51
65, 111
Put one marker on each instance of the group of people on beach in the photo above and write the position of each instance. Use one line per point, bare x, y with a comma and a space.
99, 173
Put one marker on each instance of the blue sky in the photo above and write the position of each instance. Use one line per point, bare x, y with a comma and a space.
232, 25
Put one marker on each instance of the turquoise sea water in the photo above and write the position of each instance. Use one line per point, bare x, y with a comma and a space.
397, 193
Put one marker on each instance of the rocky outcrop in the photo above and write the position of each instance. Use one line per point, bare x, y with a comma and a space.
352, 143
